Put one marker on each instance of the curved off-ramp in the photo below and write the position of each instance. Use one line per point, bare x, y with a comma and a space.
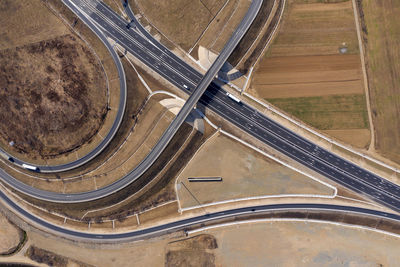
162, 142
114, 128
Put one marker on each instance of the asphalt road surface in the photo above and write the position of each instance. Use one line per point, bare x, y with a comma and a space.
110, 135
181, 225
198, 91
179, 73
242, 115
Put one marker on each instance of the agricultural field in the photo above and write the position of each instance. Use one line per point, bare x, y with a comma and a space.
313, 70
381, 31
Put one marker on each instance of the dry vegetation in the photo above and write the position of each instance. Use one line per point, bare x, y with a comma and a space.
11, 237
51, 90
305, 75
381, 30
52, 86
51, 259
182, 21
251, 175
194, 251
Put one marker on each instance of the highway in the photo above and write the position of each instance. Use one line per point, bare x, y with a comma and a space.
167, 135
184, 224
110, 135
179, 73
242, 115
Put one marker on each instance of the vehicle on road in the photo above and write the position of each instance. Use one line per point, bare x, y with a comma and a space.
234, 98
30, 167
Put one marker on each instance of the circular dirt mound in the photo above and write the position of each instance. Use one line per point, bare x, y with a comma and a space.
53, 97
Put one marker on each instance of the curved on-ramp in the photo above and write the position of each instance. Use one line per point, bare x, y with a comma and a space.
184, 224
110, 135
165, 138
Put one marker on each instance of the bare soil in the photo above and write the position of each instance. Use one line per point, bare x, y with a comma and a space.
300, 76
251, 175
303, 244
194, 251
303, 72
381, 29
53, 97
51, 259
256, 244
182, 21
27, 21
10, 236
316, 28
358, 137
39, 58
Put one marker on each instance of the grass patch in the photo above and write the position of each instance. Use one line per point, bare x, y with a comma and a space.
381, 31
327, 112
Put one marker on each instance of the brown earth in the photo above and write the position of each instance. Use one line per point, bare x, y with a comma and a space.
51, 259
252, 175
381, 30
10, 236
251, 33
315, 28
358, 137
299, 76
51, 90
258, 244
304, 70
182, 21
194, 251
51, 83
27, 21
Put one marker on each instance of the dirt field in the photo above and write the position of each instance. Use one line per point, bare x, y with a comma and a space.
183, 21
37, 24
306, 75
303, 244
10, 236
257, 244
194, 251
381, 38
302, 76
51, 259
245, 173
358, 137
327, 112
316, 28
51, 89
224, 24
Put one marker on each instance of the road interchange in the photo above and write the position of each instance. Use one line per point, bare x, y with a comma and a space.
167, 135
106, 140
215, 98
182, 225
245, 117
269, 132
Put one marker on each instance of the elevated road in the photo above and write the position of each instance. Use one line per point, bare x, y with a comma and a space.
179, 73
240, 114
198, 91
252, 122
